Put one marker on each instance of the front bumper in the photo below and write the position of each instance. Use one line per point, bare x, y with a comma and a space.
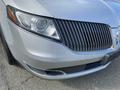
38, 54
87, 69
64, 75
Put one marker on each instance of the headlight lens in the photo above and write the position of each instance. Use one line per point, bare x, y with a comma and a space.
39, 25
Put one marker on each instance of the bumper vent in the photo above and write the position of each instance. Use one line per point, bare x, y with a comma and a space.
84, 36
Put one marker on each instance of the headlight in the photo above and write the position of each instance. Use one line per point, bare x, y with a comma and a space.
36, 24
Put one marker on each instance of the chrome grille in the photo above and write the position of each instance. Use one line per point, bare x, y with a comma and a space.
84, 36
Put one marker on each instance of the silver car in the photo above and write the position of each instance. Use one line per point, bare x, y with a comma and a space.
60, 39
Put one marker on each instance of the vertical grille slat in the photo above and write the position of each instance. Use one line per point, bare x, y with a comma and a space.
91, 35
77, 36
105, 34
65, 32
70, 35
84, 36
101, 36
80, 37
93, 40
105, 31
84, 40
73, 34
98, 36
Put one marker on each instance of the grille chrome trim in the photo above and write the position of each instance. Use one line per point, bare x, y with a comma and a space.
84, 36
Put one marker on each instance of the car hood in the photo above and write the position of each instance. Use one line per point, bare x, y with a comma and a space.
79, 10
116, 6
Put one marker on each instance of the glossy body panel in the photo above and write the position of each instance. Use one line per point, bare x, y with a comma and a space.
43, 53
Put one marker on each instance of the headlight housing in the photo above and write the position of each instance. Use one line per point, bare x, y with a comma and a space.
33, 23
